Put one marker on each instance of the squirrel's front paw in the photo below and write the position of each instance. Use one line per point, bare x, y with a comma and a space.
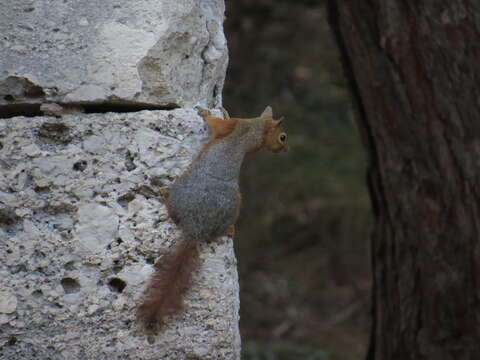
202, 111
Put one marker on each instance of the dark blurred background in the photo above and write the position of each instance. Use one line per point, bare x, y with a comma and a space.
302, 239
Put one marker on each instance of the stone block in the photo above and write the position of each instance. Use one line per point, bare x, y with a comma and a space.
148, 52
82, 222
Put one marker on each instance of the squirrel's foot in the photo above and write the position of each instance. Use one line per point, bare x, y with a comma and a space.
163, 194
231, 231
202, 111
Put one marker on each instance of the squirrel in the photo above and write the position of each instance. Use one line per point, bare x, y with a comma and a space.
204, 203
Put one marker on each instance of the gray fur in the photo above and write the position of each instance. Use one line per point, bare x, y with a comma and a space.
204, 201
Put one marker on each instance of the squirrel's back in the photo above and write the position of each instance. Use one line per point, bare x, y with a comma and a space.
204, 201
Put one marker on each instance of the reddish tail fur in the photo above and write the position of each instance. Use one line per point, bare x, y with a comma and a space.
172, 277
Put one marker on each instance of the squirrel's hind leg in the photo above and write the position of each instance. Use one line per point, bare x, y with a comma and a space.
231, 229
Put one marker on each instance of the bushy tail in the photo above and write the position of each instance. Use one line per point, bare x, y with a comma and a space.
171, 279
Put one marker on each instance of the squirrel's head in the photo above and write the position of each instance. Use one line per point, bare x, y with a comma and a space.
275, 138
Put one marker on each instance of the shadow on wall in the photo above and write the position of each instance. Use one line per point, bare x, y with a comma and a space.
302, 241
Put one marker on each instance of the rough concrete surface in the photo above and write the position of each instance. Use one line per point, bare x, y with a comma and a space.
81, 224
160, 52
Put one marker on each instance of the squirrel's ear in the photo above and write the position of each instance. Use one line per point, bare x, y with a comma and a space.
267, 112
279, 121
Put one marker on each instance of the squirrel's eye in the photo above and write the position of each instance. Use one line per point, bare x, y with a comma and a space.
282, 137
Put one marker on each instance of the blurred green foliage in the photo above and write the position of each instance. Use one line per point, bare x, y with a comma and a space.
302, 237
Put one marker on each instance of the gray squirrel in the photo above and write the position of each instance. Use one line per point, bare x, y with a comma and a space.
204, 202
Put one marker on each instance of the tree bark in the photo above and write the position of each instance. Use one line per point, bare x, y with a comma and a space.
414, 70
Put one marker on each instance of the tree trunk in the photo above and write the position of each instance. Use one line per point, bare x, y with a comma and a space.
414, 70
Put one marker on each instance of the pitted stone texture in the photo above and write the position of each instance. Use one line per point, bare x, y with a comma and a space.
80, 226
159, 52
